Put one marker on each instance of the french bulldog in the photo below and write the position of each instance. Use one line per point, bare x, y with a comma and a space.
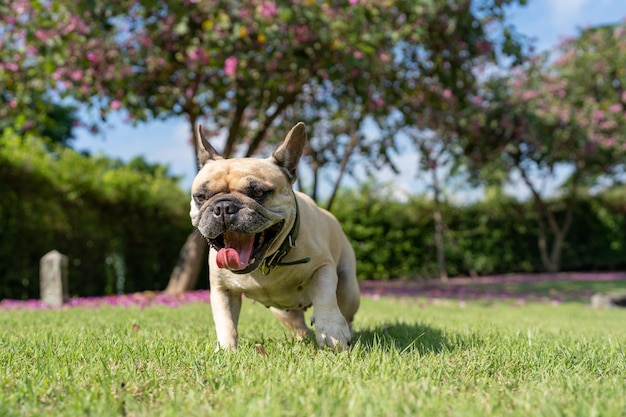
272, 244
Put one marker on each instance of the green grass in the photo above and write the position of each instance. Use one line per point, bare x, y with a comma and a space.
410, 357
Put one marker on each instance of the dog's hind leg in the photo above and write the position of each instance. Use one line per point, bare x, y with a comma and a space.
294, 320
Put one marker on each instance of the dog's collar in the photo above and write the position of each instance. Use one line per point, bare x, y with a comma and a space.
273, 261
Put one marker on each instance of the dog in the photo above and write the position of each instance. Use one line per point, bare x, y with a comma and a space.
272, 244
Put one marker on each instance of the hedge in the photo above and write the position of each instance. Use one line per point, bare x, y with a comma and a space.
121, 228
394, 239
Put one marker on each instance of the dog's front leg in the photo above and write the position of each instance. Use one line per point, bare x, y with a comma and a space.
226, 306
331, 327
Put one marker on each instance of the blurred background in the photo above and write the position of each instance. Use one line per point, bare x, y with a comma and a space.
451, 139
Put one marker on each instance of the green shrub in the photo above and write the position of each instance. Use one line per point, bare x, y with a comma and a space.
95, 210
394, 239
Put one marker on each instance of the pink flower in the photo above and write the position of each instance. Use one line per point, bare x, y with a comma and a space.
230, 66
116, 104
447, 93
93, 58
10, 66
76, 75
353, 2
42, 35
269, 9
598, 115
615, 108
484, 47
529, 95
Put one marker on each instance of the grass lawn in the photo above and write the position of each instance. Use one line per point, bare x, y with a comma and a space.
411, 356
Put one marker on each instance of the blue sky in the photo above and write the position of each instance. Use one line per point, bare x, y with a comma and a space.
546, 21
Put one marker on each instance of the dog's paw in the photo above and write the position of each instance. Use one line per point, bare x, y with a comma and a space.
334, 333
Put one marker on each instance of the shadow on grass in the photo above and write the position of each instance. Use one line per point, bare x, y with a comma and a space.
412, 337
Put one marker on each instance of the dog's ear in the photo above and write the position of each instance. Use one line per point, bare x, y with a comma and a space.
206, 152
288, 153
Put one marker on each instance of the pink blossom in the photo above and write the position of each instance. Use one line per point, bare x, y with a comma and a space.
269, 9
608, 142
42, 35
484, 47
116, 104
608, 125
230, 66
615, 108
12, 104
20, 7
353, 2
11, 66
447, 93
477, 100
76, 75
93, 58
144, 40
598, 115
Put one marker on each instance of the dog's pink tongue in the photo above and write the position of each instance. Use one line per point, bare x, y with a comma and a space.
236, 254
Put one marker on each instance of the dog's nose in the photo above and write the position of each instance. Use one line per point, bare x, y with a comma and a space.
224, 209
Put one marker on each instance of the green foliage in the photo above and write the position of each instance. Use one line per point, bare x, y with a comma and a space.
92, 209
409, 358
53, 121
394, 239
391, 239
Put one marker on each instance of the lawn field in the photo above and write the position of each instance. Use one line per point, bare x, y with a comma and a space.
411, 356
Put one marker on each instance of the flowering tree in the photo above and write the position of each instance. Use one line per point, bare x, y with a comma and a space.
569, 111
430, 96
241, 67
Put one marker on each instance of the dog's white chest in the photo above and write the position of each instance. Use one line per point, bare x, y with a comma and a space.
278, 289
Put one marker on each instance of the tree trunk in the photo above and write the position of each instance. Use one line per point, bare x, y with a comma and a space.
314, 187
185, 275
551, 258
260, 136
439, 229
342, 168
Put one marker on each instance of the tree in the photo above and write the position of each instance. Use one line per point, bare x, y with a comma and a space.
239, 66
550, 113
430, 93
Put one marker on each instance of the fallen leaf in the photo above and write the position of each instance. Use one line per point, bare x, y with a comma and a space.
260, 349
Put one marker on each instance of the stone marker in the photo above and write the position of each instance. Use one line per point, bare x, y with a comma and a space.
608, 300
53, 278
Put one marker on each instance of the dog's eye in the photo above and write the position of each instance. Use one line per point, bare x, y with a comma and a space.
200, 198
258, 193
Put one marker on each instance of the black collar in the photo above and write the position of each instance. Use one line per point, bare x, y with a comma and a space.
273, 261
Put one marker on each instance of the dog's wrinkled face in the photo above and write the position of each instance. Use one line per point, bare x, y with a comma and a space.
244, 207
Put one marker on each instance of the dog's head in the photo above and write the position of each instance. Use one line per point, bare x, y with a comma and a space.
245, 207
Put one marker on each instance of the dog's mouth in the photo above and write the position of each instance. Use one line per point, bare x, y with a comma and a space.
242, 253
